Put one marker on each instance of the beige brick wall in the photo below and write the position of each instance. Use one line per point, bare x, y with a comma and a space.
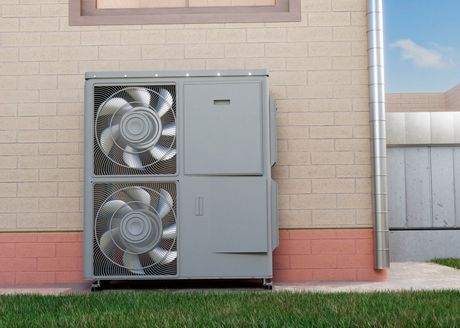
453, 99
424, 102
415, 102
318, 74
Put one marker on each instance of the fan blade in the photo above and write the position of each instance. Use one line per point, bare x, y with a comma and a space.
165, 102
114, 206
160, 152
139, 195
162, 256
108, 137
131, 158
170, 257
140, 95
133, 263
170, 232
106, 242
165, 203
114, 105
169, 130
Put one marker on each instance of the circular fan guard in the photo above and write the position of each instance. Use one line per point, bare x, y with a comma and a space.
135, 127
134, 234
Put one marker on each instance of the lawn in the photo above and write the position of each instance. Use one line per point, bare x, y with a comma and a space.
233, 309
450, 262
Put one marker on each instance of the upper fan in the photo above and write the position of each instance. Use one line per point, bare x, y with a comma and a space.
135, 127
135, 228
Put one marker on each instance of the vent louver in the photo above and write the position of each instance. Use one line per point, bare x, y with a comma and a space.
135, 229
135, 130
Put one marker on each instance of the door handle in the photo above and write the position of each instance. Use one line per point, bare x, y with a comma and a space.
199, 206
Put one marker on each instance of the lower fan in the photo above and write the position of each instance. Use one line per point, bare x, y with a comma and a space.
135, 230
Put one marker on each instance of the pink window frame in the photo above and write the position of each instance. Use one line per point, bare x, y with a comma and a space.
85, 12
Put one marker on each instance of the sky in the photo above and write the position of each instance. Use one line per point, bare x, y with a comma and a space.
422, 45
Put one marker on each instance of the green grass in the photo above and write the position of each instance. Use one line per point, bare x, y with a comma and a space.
233, 309
450, 262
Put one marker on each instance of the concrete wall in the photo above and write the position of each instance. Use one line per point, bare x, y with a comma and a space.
424, 198
423, 180
418, 245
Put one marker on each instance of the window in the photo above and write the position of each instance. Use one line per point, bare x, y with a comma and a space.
117, 12
120, 4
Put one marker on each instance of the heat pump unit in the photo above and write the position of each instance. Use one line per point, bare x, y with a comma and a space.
178, 176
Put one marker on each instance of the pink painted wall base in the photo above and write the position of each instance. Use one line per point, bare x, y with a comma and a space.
46, 258
41, 258
326, 254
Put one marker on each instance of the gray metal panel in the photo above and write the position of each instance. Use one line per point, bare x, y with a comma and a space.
175, 74
442, 128
418, 187
88, 221
396, 128
418, 129
457, 185
275, 216
396, 187
457, 127
273, 132
443, 200
235, 210
424, 245
224, 226
223, 128
423, 128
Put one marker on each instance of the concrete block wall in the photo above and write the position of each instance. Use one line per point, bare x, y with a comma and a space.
319, 75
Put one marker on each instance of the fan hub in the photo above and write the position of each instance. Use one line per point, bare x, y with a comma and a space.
140, 231
141, 128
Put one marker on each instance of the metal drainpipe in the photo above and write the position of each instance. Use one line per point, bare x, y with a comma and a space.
378, 136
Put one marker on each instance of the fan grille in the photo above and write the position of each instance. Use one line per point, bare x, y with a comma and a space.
143, 146
125, 236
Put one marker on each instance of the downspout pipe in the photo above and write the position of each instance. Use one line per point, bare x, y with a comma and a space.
378, 134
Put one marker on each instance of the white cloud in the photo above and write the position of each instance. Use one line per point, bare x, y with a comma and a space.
421, 56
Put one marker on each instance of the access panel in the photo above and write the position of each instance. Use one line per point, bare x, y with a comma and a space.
223, 128
224, 226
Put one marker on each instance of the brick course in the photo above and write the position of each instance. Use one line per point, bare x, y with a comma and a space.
40, 258
334, 254
424, 102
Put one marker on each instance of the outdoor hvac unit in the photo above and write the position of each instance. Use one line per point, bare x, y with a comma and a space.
178, 176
